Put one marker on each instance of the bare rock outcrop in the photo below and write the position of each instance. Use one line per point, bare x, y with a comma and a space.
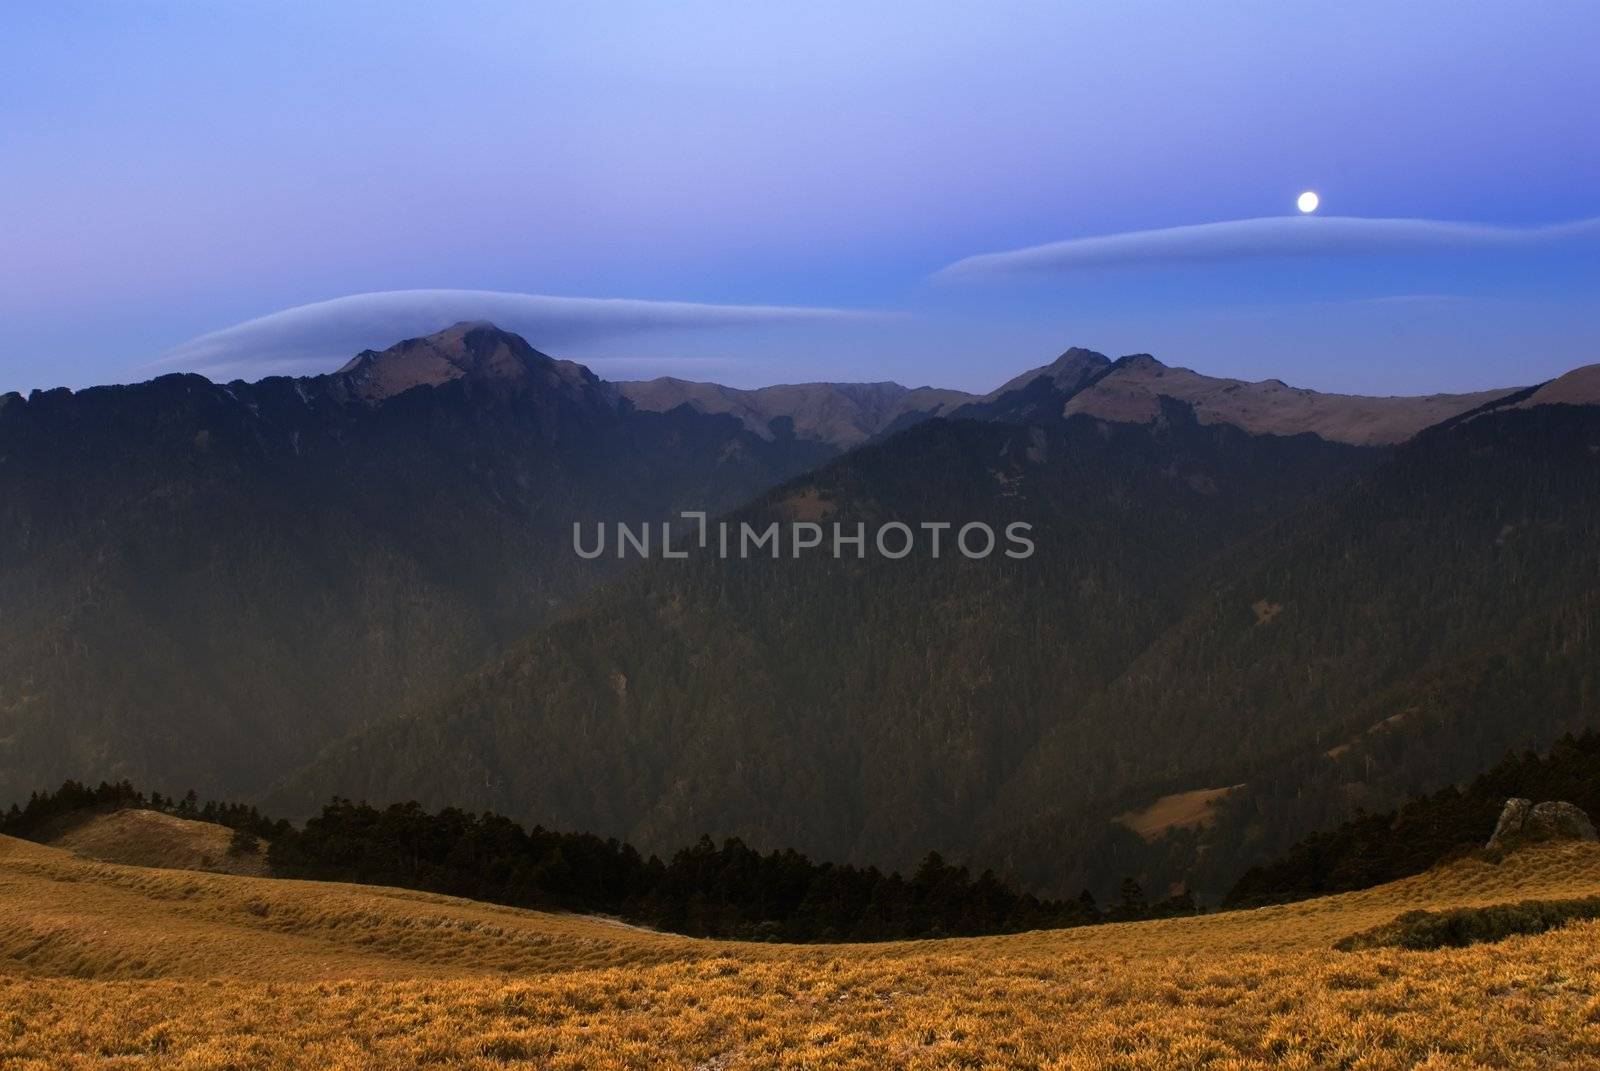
1558, 821
1522, 821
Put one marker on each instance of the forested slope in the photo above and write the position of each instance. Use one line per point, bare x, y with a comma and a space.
1206, 608
864, 709
1426, 830
200, 583
1436, 613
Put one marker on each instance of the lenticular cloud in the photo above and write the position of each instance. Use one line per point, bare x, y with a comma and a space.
1272, 236
319, 336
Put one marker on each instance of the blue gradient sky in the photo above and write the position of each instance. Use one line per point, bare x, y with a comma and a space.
173, 169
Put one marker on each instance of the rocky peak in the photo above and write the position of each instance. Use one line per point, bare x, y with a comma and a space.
1068, 373
475, 351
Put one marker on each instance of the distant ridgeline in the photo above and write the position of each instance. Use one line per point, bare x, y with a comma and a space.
1372, 849
731, 891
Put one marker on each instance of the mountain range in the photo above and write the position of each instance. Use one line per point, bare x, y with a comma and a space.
205, 582
1252, 608
1129, 390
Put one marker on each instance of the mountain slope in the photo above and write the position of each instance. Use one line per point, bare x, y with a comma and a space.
200, 583
864, 709
1370, 849
1438, 610
1581, 386
209, 585
1206, 608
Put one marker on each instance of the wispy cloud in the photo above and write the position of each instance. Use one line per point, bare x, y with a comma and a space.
317, 337
1272, 236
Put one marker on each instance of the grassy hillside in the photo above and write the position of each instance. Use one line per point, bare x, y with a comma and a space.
150, 838
165, 969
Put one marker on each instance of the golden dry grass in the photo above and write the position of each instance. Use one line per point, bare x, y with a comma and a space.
63, 916
151, 838
115, 967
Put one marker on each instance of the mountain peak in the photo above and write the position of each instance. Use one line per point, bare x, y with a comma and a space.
472, 350
1141, 362
1068, 372
1076, 363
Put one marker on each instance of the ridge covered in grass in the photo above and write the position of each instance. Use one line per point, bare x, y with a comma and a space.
170, 969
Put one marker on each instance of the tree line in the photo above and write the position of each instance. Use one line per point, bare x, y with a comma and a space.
726, 890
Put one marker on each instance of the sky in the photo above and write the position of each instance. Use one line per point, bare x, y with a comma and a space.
936, 193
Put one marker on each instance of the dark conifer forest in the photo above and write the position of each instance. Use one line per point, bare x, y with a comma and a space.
1371, 849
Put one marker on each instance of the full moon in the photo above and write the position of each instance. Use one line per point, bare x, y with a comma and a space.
1308, 201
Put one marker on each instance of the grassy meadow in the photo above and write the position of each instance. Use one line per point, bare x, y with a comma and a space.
111, 966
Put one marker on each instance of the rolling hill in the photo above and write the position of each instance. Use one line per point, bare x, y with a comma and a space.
102, 963
146, 838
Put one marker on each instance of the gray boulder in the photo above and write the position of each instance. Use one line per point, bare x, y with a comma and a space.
1522, 822
1558, 821
1512, 818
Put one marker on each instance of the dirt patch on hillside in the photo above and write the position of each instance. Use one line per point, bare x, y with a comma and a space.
808, 505
1181, 810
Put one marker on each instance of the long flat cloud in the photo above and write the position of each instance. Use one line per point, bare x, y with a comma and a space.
319, 336
1272, 236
